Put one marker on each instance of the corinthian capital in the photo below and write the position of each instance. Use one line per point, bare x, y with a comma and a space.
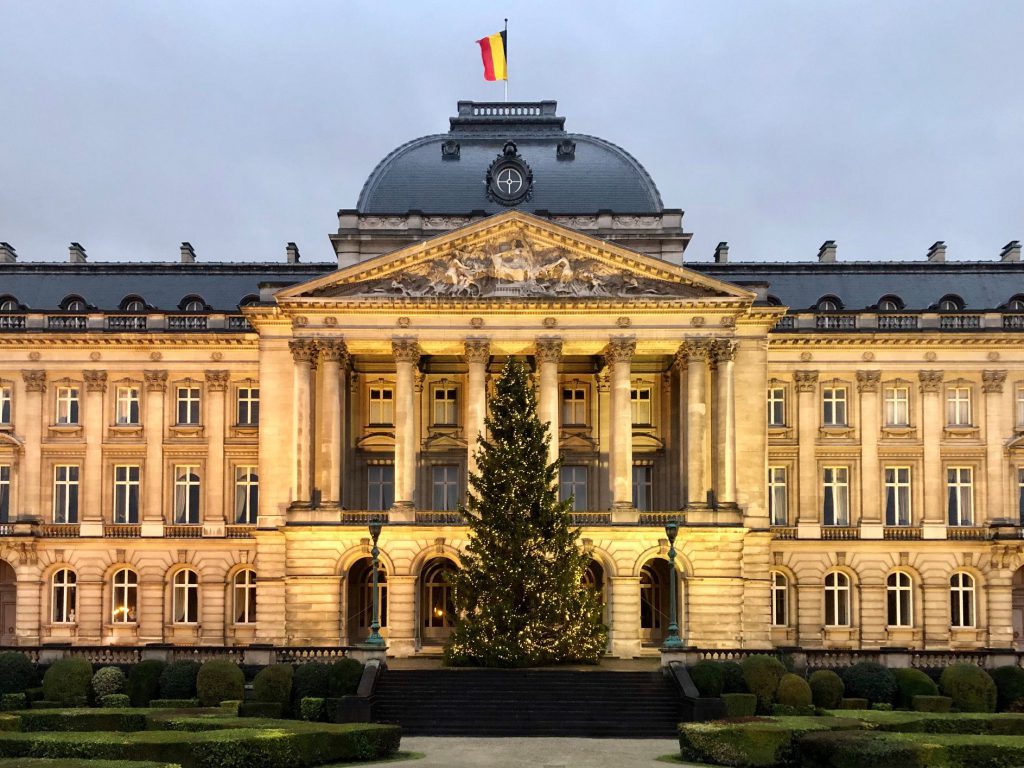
992, 381
868, 381
35, 381
549, 349
334, 350
693, 349
303, 350
620, 350
477, 350
805, 381
217, 381
156, 381
95, 381
723, 350
931, 381
406, 350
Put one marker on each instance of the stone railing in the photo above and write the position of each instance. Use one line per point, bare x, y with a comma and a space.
591, 518
840, 532
260, 655
121, 531
901, 532
434, 517
183, 531
803, 659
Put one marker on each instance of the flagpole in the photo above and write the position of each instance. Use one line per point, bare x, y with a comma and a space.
506, 61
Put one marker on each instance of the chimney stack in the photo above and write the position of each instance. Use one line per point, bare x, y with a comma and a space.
827, 252
722, 253
7, 254
937, 253
76, 254
1011, 251
292, 251
188, 254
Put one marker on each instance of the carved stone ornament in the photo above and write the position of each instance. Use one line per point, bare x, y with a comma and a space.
156, 381
805, 381
509, 179
806, 357
34, 356
992, 381
95, 356
334, 350
931, 381
217, 381
406, 350
620, 351
931, 357
723, 350
550, 322
216, 356
867, 357
728, 321
623, 322
330, 320
694, 349
403, 322
476, 322
549, 349
156, 356
95, 381
868, 381
477, 351
696, 321
992, 356
35, 381
303, 350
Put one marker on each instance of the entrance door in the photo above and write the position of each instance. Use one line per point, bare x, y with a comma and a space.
360, 600
654, 602
437, 608
8, 604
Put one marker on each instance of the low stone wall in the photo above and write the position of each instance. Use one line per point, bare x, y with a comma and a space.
803, 659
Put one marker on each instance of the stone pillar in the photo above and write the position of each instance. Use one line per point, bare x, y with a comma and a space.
871, 519
724, 354
213, 511
695, 353
91, 511
334, 362
304, 356
30, 421
934, 519
618, 355
153, 478
624, 616
407, 355
402, 615
477, 355
995, 467
549, 354
807, 517
603, 498
89, 610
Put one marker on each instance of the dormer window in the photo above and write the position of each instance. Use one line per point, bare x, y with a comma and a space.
951, 304
73, 304
133, 304
9, 304
890, 304
192, 304
828, 304
1016, 304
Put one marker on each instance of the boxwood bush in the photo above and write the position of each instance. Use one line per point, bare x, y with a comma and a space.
274, 683
107, 681
144, 682
219, 680
931, 704
854, 749
311, 708
709, 677
271, 709
79, 720
115, 701
71, 762
826, 688
733, 674
756, 743
1009, 682
970, 687
67, 681
178, 680
871, 681
16, 673
312, 680
762, 674
344, 677
174, 703
740, 704
793, 691
12, 701
912, 682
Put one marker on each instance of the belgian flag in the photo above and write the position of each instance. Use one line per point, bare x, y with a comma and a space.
494, 50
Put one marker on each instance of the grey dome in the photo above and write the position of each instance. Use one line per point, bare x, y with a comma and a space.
572, 173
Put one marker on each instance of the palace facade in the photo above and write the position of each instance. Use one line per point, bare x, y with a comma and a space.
190, 453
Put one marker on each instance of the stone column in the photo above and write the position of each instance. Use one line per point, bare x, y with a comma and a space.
807, 517
153, 477
618, 355
695, 353
995, 468
213, 512
304, 356
407, 355
934, 519
870, 470
624, 616
549, 354
91, 517
723, 352
477, 355
30, 421
334, 362
402, 615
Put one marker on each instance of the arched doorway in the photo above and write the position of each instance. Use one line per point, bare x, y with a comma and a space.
360, 600
1018, 609
437, 603
654, 602
8, 604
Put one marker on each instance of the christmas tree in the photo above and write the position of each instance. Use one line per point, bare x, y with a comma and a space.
520, 596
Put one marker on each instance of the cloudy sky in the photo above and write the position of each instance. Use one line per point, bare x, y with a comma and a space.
131, 126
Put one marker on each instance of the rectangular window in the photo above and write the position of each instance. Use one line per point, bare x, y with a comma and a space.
958, 406
897, 406
643, 488
1020, 407
640, 401
186, 495
897, 496
574, 406
444, 483
960, 495
380, 487
126, 407
382, 406
833, 401
6, 399
777, 407
445, 406
188, 405
248, 406
1020, 495
5, 493
836, 496
65, 494
67, 405
778, 498
126, 495
247, 495
572, 483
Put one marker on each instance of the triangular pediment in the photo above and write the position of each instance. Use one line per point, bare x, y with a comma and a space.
513, 255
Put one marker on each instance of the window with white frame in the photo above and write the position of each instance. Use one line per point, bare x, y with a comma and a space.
248, 410
445, 405
961, 600
244, 597
640, 405
444, 482
643, 487
836, 496
247, 495
5, 493
837, 599
776, 406
833, 405
897, 496
126, 406
185, 597
780, 599
6, 404
574, 406
572, 483
380, 486
899, 590
124, 596
1020, 494
382, 406
65, 494
897, 406
67, 405
960, 495
63, 596
188, 399
958, 406
126, 494
1020, 406
186, 494
778, 496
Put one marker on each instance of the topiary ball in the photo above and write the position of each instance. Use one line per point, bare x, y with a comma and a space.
910, 683
144, 682
1009, 688
709, 678
16, 673
827, 689
178, 680
871, 681
345, 676
793, 691
762, 674
106, 682
733, 675
219, 680
274, 683
971, 688
311, 680
67, 681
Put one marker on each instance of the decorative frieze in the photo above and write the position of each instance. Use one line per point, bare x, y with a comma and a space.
931, 381
868, 381
992, 381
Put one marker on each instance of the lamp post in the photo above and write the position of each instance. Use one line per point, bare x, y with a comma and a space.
375, 638
672, 639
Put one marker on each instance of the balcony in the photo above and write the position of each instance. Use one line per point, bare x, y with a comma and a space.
835, 322
840, 532
183, 531
591, 518
58, 531
898, 322
126, 323
901, 533
784, 532
362, 516
660, 519
1010, 322
959, 322
67, 322
12, 322
122, 531
446, 517
239, 531
239, 323
187, 322
967, 532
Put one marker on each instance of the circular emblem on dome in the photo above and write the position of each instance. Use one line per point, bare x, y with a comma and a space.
509, 179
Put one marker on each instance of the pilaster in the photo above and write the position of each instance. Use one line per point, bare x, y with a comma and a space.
213, 517
549, 354
153, 479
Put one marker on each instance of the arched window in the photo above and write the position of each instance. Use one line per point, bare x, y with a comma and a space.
652, 597
192, 304
593, 577
365, 599
9, 304
780, 599
438, 606
837, 600
828, 304
132, 304
244, 597
125, 596
64, 596
249, 300
899, 600
890, 304
185, 597
951, 303
73, 304
961, 600
1016, 304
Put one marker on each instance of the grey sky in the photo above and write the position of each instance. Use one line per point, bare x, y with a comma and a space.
239, 126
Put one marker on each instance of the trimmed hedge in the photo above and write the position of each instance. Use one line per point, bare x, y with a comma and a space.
970, 687
793, 691
80, 720
853, 703
271, 709
42, 762
709, 677
107, 681
174, 703
740, 704
759, 743
762, 674
884, 750
312, 680
67, 681
219, 680
13, 701
17, 673
311, 709
115, 701
733, 674
274, 684
912, 682
144, 682
871, 681
931, 704
178, 680
826, 688
344, 677
44, 704
1009, 682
